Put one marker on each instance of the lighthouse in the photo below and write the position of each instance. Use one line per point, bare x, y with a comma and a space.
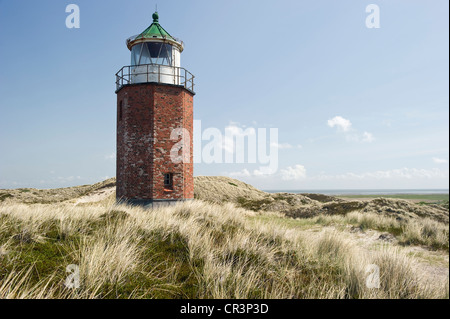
154, 121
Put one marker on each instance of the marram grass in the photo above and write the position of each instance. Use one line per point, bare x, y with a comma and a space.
195, 250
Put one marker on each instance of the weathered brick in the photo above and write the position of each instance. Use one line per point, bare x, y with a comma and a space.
146, 115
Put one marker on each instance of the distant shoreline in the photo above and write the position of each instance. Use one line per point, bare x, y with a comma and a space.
345, 192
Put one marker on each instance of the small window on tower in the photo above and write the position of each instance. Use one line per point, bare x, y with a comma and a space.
168, 181
120, 111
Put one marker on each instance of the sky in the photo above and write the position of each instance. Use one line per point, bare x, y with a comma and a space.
354, 107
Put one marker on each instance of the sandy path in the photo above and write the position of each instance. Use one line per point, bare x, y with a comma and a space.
433, 266
96, 196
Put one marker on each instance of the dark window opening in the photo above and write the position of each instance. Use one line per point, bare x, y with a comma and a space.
120, 111
152, 53
168, 181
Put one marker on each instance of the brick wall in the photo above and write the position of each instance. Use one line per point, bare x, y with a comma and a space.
146, 115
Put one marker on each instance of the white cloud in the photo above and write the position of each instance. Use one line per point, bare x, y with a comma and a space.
402, 173
299, 146
234, 131
263, 171
377, 179
281, 146
351, 135
64, 179
340, 123
295, 172
368, 137
440, 160
242, 173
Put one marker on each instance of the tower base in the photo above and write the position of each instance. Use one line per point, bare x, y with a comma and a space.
152, 203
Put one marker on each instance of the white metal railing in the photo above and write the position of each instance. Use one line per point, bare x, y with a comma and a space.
154, 73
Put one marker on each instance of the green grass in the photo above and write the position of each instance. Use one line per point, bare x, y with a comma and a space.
409, 232
419, 197
5, 196
252, 204
193, 250
301, 223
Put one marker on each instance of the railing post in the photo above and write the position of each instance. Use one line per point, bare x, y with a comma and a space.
159, 73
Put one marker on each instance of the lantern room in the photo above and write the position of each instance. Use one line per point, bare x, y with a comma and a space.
155, 58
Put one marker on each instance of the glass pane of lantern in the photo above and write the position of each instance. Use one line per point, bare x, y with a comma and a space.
160, 53
145, 56
154, 48
135, 54
167, 54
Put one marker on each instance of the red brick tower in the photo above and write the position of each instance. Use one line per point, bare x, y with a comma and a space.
154, 121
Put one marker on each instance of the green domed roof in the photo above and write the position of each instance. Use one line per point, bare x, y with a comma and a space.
154, 31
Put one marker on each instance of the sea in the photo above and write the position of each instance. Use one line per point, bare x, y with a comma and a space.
363, 191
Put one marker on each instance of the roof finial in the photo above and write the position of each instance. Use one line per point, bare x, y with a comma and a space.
155, 17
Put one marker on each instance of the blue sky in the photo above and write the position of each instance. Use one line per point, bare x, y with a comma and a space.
354, 107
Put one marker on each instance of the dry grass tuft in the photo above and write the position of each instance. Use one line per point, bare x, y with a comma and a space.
192, 250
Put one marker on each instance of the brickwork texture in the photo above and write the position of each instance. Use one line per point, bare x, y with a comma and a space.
147, 114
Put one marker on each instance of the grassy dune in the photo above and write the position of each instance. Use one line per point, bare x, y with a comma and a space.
235, 244
417, 198
47, 196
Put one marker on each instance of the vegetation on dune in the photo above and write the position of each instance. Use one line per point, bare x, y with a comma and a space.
219, 189
234, 241
47, 196
224, 189
414, 231
426, 198
192, 250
